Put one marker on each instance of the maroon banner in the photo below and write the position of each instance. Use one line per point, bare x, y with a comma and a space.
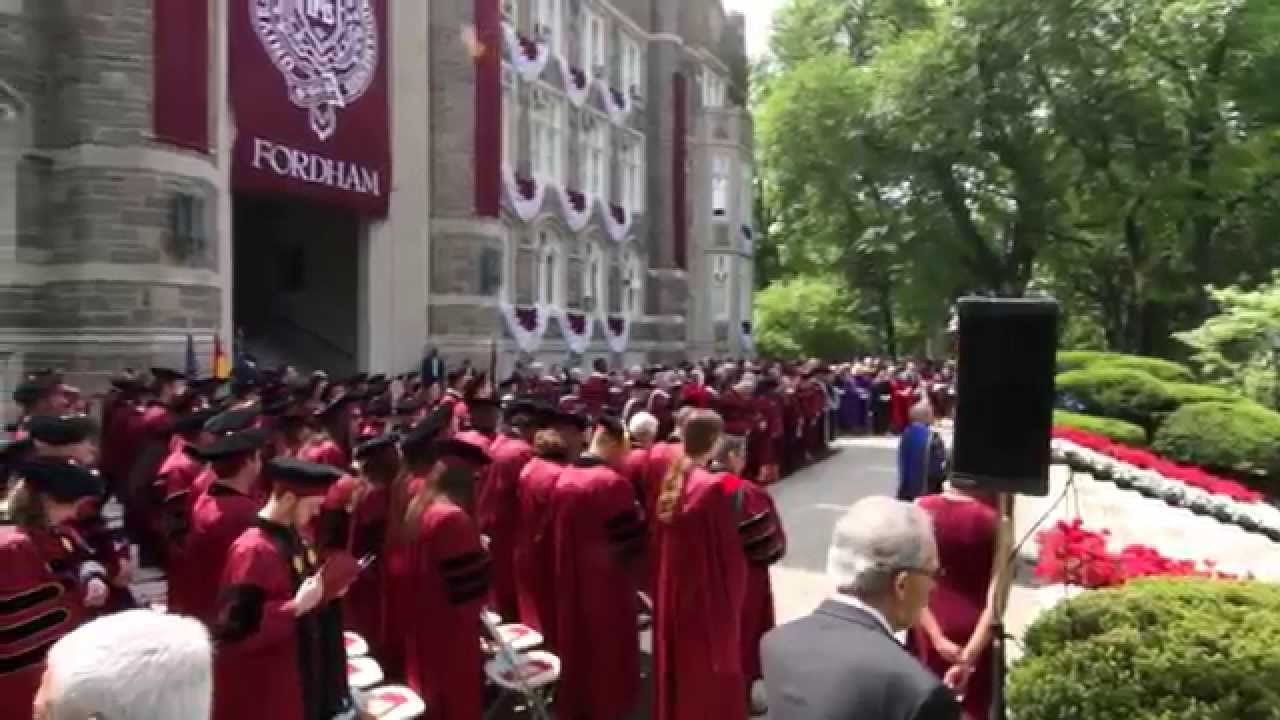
309, 100
488, 121
180, 41
679, 170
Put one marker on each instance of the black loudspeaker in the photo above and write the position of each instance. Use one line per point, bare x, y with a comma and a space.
1005, 378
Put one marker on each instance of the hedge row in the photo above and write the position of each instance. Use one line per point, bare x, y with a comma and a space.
1236, 438
1165, 370
1117, 430
1121, 393
1154, 650
1195, 424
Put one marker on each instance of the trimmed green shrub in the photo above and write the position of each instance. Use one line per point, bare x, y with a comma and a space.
1118, 430
1120, 393
1239, 438
1156, 367
1189, 393
1184, 649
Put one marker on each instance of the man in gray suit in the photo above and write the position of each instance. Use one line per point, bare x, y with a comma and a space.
844, 662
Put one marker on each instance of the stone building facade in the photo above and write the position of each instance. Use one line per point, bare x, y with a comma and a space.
116, 245
622, 120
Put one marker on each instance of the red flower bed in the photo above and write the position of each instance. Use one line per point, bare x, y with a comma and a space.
1072, 555
1147, 460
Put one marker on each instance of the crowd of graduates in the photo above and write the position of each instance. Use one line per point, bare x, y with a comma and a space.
285, 508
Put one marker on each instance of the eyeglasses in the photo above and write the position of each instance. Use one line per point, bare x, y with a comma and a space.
936, 574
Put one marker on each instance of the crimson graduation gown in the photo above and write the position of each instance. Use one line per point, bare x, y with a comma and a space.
221, 515
40, 601
269, 663
535, 588
700, 588
496, 515
440, 578
764, 543
598, 537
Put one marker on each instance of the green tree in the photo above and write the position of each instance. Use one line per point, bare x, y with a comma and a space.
1234, 348
809, 316
1120, 154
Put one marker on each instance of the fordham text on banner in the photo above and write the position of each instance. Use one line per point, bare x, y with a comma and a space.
309, 167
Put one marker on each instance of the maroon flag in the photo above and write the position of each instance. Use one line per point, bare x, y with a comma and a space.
180, 38
309, 97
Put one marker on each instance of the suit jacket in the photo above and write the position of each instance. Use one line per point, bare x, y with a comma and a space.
841, 664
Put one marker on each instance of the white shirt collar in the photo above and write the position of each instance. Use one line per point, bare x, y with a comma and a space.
873, 612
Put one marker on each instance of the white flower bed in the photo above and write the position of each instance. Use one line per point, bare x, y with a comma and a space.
1257, 517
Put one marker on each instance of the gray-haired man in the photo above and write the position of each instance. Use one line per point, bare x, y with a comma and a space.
843, 661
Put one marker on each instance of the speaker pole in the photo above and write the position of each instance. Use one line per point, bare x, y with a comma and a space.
1004, 540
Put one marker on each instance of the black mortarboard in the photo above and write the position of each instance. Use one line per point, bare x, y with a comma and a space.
379, 408
30, 392
232, 444
127, 384
300, 477
166, 375
61, 430
340, 402
572, 419
641, 384
408, 406
277, 406
63, 480
194, 421
481, 403
426, 431
367, 448
378, 379
231, 421
14, 450
452, 450
533, 407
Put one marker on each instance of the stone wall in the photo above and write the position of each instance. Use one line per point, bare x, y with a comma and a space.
123, 216
94, 280
97, 305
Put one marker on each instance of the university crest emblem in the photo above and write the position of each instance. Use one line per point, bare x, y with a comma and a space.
327, 51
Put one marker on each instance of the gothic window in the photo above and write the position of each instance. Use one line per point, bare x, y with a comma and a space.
632, 286
547, 136
615, 287
593, 43
719, 186
632, 70
713, 89
550, 265
720, 273
595, 155
549, 24
632, 178
593, 282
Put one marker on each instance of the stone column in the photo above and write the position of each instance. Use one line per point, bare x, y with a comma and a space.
393, 252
